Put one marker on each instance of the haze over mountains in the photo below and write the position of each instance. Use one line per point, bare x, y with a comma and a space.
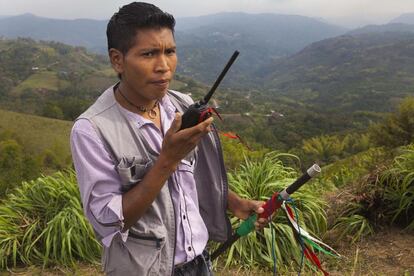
78, 32
205, 42
406, 18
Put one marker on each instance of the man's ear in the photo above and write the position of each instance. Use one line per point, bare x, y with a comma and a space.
117, 60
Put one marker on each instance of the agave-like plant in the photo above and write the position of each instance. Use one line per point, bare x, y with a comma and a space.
356, 225
42, 223
399, 188
259, 180
386, 196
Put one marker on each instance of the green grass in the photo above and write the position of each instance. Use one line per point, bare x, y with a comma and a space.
49, 51
38, 134
43, 80
42, 223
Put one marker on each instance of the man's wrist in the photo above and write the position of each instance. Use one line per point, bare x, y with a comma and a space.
234, 201
166, 164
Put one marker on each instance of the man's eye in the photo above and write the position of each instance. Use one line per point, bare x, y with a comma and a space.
148, 54
170, 51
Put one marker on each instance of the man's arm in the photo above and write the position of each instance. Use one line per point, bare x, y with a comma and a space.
176, 145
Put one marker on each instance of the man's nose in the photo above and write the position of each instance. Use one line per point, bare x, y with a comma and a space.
162, 64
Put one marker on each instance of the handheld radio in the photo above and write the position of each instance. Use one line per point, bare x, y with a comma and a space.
200, 111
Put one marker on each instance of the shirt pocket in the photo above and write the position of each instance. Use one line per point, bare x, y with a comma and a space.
146, 252
132, 170
186, 166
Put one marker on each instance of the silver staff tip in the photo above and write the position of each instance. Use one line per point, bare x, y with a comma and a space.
314, 170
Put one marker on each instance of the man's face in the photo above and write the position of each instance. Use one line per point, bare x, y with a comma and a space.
148, 67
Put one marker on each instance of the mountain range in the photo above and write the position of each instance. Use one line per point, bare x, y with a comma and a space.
362, 71
406, 18
204, 43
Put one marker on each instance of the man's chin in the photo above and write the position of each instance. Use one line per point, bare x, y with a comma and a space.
159, 94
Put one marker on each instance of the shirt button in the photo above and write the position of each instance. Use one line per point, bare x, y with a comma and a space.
184, 217
189, 248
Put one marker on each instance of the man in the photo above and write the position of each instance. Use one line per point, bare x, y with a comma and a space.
154, 193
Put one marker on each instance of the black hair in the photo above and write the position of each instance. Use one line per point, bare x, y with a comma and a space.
124, 24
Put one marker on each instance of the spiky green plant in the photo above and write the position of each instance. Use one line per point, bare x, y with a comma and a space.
356, 225
399, 188
42, 223
259, 180
385, 196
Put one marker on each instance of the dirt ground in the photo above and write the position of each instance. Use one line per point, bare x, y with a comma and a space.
389, 252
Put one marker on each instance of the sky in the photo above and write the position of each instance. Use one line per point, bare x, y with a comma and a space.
341, 12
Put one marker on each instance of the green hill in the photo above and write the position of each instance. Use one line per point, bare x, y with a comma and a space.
37, 134
57, 80
36, 76
30, 146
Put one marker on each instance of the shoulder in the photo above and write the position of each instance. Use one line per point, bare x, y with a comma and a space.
83, 128
105, 101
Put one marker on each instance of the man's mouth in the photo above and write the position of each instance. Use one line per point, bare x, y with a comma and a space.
163, 82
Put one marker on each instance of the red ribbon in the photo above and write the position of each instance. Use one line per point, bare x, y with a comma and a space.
309, 254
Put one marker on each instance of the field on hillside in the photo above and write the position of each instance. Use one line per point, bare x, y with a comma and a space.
42, 81
38, 134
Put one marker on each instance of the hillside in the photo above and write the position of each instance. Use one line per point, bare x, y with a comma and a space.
362, 72
391, 27
37, 134
37, 76
31, 146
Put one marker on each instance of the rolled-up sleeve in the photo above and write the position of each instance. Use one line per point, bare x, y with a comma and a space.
98, 181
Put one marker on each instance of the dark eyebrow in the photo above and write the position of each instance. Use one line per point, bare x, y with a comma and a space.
149, 50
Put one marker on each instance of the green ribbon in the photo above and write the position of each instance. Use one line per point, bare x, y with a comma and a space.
247, 226
318, 247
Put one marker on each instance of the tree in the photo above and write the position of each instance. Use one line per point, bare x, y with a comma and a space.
323, 148
398, 128
52, 111
11, 164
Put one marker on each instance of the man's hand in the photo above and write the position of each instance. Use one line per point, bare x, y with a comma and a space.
244, 208
178, 143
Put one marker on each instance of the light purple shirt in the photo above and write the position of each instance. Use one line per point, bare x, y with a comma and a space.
99, 185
